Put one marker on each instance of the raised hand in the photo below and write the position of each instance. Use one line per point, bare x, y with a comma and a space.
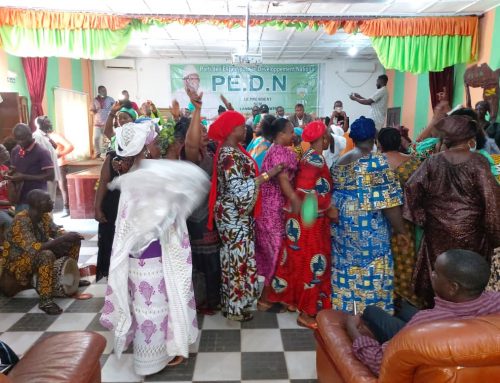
195, 97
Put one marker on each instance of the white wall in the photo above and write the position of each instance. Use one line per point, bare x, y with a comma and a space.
150, 80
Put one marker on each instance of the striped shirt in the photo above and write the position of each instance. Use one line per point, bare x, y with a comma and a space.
371, 352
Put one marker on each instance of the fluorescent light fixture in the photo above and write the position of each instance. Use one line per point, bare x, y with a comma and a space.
353, 51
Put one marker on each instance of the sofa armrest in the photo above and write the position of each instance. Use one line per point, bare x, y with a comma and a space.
66, 357
448, 344
331, 330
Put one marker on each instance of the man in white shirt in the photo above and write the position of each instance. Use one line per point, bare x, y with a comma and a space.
41, 137
378, 101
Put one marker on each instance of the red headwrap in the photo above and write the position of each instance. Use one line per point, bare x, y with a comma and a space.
221, 128
219, 131
313, 131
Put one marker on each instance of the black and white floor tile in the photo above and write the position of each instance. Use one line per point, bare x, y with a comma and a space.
270, 348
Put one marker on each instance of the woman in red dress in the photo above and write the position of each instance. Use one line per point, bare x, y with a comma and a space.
302, 277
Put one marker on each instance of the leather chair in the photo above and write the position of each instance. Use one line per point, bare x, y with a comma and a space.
67, 357
448, 351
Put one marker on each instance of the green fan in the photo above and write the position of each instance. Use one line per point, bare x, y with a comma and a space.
309, 211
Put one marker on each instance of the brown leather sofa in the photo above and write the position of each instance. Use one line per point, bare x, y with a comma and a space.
458, 351
70, 357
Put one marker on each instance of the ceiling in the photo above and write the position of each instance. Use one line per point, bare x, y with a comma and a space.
210, 42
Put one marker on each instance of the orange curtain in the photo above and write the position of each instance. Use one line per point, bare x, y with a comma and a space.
27, 18
424, 26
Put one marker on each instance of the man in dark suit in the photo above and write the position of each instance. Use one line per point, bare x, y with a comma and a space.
300, 118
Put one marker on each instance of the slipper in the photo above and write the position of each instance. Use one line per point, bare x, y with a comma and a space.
206, 311
291, 308
310, 326
83, 283
239, 318
275, 308
176, 361
51, 309
87, 271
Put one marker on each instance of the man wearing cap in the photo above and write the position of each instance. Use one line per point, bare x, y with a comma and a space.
191, 80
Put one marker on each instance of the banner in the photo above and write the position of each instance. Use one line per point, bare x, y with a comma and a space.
245, 87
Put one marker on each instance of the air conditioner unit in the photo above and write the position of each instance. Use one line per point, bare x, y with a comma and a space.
247, 58
359, 66
119, 64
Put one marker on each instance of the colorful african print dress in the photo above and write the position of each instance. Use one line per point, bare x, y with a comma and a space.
361, 242
270, 226
236, 197
457, 205
23, 255
404, 258
302, 276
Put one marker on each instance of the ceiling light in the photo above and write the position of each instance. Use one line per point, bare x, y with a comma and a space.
353, 51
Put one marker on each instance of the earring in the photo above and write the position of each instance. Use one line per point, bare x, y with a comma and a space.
147, 153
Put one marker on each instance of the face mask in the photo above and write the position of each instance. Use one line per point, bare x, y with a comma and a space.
338, 109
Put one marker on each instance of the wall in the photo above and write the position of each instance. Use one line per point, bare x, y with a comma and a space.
61, 72
150, 80
411, 92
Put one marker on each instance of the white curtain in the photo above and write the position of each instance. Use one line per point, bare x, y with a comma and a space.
72, 121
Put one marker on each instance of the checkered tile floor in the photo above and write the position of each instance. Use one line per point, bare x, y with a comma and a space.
270, 348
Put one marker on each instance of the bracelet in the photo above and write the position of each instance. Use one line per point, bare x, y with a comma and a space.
265, 176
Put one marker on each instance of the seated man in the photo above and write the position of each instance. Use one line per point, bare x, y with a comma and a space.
459, 279
33, 243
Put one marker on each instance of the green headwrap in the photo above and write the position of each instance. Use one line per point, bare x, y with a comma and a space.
131, 112
166, 136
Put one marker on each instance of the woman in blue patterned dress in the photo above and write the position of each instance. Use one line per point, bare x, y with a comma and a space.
368, 196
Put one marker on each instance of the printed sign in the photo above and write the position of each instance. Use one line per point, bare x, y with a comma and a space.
274, 85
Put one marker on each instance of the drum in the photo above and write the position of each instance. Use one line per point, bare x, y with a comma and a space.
66, 277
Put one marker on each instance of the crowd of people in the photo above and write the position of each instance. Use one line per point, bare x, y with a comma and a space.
325, 213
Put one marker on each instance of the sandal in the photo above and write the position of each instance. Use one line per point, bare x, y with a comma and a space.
247, 316
176, 361
302, 323
205, 311
291, 308
276, 308
50, 308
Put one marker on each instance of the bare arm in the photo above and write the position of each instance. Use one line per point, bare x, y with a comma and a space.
395, 217
192, 144
108, 128
364, 101
285, 185
289, 192
46, 175
227, 104
104, 179
64, 147
346, 122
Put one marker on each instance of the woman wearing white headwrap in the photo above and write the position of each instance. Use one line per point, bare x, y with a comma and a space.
149, 299
337, 146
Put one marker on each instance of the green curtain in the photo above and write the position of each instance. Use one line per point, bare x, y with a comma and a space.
84, 43
419, 54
